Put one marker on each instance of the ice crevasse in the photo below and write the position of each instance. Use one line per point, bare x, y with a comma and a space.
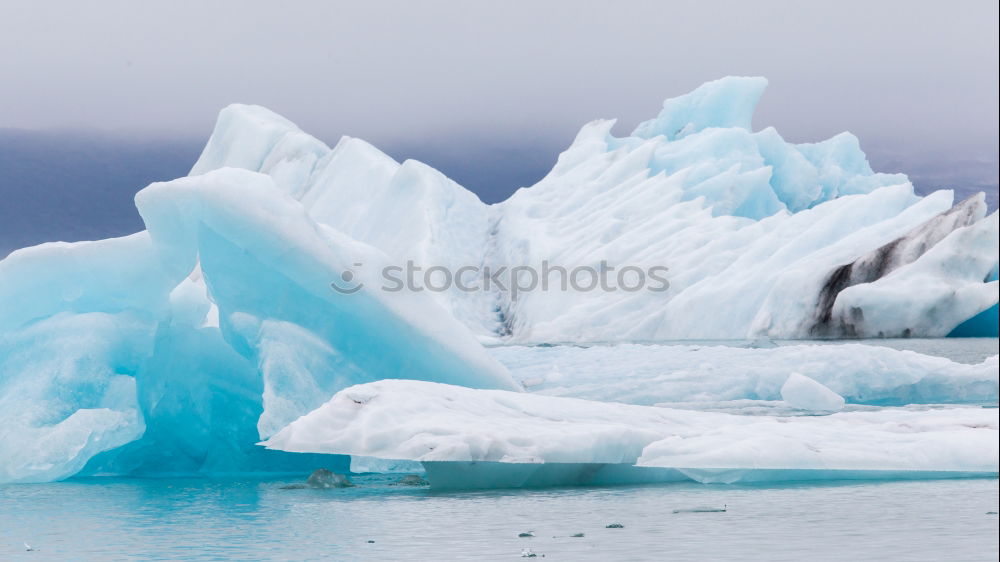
176, 349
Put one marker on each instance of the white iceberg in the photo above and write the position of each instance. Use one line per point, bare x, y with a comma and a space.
474, 438
725, 377
761, 237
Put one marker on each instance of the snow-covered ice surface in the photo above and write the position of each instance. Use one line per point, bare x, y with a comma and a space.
176, 349
473, 438
716, 376
802, 392
782, 393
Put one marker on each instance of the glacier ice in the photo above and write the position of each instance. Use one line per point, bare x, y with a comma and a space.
725, 377
230, 332
470, 437
950, 273
721, 104
67, 392
803, 393
174, 350
769, 231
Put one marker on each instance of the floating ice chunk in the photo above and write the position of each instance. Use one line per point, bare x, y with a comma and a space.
722, 509
430, 422
806, 394
889, 443
500, 438
324, 478
705, 376
411, 480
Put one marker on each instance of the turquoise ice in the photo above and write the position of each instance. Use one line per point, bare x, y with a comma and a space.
176, 349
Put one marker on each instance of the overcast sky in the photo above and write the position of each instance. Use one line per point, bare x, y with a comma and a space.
915, 80
402, 69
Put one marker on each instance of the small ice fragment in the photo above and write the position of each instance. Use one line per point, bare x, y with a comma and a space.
804, 393
412, 480
532, 381
703, 510
323, 478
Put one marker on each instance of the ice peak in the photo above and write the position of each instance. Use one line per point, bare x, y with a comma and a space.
257, 114
244, 136
726, 102
359, 148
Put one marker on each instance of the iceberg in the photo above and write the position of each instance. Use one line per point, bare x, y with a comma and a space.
230, 331
740, 378
790, 240
486, 438
254, 294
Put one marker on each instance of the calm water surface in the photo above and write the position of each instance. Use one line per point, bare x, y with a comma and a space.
108, 519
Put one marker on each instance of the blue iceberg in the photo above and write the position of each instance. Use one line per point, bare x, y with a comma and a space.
253, 297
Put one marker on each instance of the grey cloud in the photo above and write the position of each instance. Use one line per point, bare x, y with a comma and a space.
388, 70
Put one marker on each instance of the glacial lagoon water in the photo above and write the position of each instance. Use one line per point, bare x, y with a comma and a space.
205, 519
198, 519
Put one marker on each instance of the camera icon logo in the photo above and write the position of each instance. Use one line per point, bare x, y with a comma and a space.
347, 284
